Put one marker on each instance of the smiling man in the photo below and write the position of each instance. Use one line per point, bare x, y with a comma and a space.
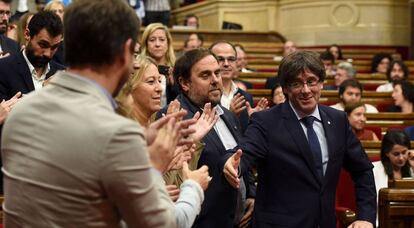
299, 148
27, 70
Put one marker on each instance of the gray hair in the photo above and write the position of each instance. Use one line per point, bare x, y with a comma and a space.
348, 67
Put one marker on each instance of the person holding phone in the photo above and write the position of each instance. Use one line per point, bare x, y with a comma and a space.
157, 43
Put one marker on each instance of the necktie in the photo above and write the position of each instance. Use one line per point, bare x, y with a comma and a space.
314, 145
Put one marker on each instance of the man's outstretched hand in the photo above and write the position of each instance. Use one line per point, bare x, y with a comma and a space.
231, 168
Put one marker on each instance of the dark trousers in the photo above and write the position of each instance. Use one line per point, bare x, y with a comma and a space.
157, 16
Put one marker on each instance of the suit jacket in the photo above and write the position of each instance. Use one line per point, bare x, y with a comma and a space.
15, 75
219, 205
8, 45
290, 193
70, 160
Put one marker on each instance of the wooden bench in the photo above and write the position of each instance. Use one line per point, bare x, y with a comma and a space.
396, 205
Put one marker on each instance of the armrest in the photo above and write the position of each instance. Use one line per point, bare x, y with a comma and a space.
345, 216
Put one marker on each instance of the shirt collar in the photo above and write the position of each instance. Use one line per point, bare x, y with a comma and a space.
99, 87
299, 115
234, 88
31, 67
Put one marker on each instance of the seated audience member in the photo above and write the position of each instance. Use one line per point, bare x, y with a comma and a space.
278, 97
357, 120
350, 91
336, 51
329, 62
403, 95
194, 41
242, 59
191, 20
140, 99
380, 62
344, 71
393, 165
397, 70
411, 162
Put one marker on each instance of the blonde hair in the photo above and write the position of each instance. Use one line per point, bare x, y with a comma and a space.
124, 105
49, 6
170, 55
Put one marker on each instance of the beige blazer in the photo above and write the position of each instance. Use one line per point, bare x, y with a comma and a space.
70, 161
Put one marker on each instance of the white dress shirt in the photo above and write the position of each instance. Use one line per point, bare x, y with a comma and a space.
320, 132
37, 80
226, 98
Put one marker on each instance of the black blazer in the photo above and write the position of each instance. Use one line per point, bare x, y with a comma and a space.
218, 208
8, 45
289, 191
15, 75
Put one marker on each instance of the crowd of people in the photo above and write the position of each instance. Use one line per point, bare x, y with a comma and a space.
118, 129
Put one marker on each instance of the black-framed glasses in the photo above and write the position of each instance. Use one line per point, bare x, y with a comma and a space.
3, 12
312, 82
230, 59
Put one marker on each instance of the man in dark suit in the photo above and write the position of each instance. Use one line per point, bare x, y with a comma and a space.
7, 45
198, 74
234, 99
28, 69
299, 148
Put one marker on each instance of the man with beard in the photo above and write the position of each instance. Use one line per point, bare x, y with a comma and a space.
199, 76
7, 45
27, 70
69, 159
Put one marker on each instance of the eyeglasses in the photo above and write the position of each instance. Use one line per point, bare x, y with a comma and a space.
312, 82
7, 13
230, 59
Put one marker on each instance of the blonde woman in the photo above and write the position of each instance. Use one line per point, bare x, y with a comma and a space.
157, 43
139, 100
57, 7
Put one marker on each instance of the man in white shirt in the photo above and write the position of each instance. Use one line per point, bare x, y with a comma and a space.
397, 70
350, 91
27, 70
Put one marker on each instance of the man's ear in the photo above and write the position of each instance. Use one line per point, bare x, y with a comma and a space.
27, 34
185, 84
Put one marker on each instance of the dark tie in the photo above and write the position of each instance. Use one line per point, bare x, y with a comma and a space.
314, 143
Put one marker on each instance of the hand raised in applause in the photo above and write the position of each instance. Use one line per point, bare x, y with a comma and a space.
200, 175
204, 122
238, 104
231, 169
261, 105
6, 106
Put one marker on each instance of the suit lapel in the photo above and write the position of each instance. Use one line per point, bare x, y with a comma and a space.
329, 135
24, 71
231, 126
299, 137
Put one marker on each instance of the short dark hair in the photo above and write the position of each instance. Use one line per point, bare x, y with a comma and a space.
349, 83
45, 20
6, 1
297, 62
377, 60
223, 42
96, 31
407, 89
352, 106
326, 55
185, 63
391, 138
188, 16
403, 67
239, 46
328, 49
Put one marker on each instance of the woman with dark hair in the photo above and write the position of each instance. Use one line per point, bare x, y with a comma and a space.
403, 95
336, 51
395, 147
278, 97
394, 155
357, 119
380, 62
397, 70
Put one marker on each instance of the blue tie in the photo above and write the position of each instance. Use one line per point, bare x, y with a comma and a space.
313, 141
